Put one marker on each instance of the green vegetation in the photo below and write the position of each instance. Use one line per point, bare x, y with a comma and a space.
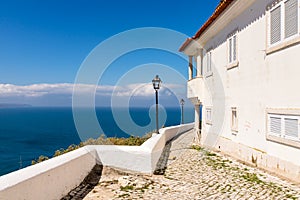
207, 153
131, 141
40, 159
196, 147
126, 188
102, 140
243, 175
252, 178
289, 196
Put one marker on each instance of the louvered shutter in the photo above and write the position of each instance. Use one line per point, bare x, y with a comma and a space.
208, 68
291, 18
230, 50
208, 114
275, 126
275, 32
210, 61
234, 48
234, 120
291, 127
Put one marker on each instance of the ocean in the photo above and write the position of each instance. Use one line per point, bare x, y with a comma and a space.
26, 133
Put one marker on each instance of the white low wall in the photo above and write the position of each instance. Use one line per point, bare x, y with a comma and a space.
51, 179
165, 135
54, 178
129, 158
139, 158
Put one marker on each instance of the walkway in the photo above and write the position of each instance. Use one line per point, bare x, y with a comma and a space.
192, 173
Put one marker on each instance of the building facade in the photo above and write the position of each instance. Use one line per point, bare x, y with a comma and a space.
244, 71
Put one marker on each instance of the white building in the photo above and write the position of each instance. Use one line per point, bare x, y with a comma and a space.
244, 70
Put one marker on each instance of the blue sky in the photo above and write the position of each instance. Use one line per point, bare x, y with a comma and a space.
45, 42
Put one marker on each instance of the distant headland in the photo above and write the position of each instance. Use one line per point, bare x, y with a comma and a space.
14, 105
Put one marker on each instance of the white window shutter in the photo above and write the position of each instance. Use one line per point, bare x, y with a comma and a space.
210, 61
230, 50
208, 67
275, 26
291, 18
208, 114
275, 126
234, 48
291, 127
207, 62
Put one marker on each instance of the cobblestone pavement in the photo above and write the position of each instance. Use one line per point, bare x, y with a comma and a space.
194, 173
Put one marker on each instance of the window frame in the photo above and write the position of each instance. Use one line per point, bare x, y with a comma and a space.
298, 28
231, 63
234, 120
208, 120
284, 42
208, 70
282, 118
283, 138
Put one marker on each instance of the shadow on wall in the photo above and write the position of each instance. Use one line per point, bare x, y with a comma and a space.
162, 163
87, 185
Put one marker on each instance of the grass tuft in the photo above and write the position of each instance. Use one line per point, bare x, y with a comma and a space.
126, 188
196, 147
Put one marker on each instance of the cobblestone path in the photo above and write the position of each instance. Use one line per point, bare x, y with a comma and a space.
194, 173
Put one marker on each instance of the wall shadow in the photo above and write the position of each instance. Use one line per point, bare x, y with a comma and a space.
162, 163
88, 184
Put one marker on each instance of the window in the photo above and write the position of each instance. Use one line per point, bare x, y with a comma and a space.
275, 25
284, 126
291, 18
234, 119
283, 22
208, 63
275, 125
208, 116
232, 49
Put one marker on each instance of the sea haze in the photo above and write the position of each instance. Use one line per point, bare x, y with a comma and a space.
28, 132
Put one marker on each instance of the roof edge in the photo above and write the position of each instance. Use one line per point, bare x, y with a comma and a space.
218, 11
185, 44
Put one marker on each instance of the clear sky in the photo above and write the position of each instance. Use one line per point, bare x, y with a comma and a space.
47, 41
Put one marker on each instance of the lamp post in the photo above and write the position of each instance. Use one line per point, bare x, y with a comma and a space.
182, 103
156, 85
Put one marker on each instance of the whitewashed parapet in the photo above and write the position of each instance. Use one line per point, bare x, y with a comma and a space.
139, 158
51, 179
54, 178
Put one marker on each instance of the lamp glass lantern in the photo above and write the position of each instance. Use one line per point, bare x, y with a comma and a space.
156, 82
182, 102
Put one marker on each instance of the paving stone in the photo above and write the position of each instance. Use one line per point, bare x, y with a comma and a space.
196, 174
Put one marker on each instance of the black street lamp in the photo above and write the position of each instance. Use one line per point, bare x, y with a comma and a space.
182, 103
156, 85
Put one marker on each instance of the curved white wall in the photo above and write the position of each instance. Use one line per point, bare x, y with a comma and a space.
54, 178
139, 158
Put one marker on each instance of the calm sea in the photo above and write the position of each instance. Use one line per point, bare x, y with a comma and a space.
27, 133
